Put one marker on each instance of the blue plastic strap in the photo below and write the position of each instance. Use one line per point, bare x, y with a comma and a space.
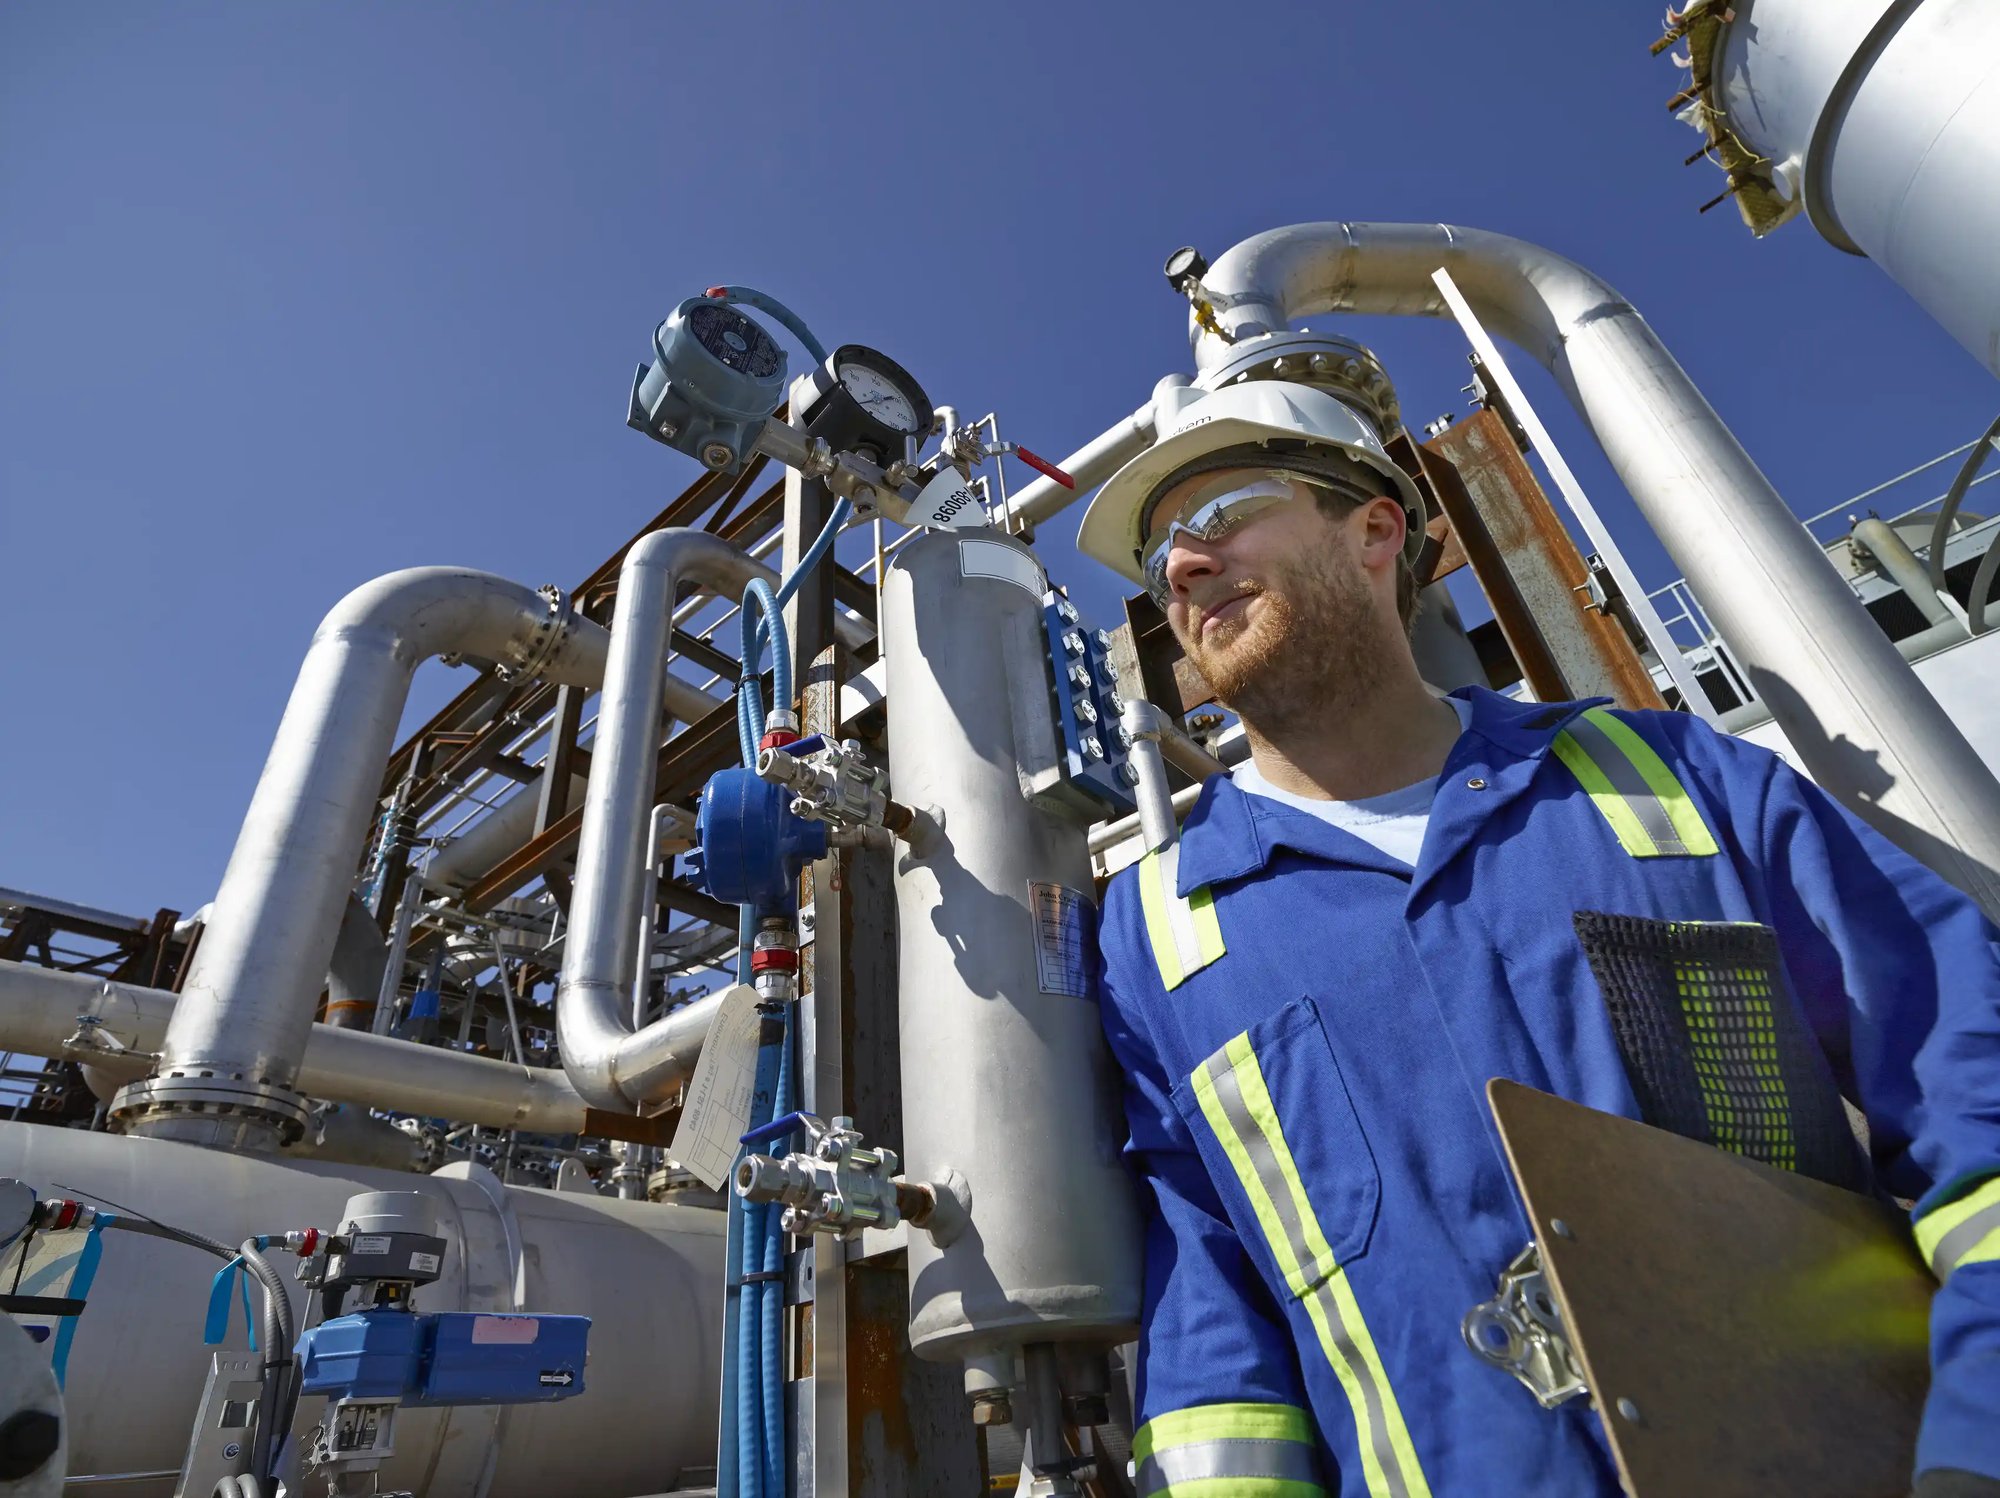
79, 1289
215, 1331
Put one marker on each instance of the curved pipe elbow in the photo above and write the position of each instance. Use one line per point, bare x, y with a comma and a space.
1531, 296
420, 612
612, 1067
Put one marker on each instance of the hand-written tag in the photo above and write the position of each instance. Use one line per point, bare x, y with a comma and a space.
717, 1110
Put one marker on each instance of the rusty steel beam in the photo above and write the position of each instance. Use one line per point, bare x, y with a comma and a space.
1533, 574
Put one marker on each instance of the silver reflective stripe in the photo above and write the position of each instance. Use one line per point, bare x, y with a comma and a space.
1640, 798
1229, 1095
1281, 1461
1180, 919
1962, 1239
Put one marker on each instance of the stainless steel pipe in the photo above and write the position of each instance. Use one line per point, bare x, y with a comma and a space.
613, 1067
39, 1010
229, 1065
1892, 555
1844, 697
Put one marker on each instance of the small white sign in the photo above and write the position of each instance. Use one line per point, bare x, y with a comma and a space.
717, 1111
369, 1245
948, 504
425, 1263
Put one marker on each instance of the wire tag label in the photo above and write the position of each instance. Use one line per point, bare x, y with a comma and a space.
948, 504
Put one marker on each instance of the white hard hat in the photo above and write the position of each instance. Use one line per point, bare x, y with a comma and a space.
1287, 424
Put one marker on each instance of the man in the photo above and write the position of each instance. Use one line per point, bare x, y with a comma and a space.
1401, 896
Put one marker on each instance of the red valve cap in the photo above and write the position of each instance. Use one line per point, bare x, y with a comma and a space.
777, 738
775, 960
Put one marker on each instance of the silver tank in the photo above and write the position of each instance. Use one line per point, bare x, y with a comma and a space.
1884, 116
1005, 1084
649, 1277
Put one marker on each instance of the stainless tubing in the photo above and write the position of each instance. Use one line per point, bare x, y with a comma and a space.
247, 1005
1090, 465
1903, 568
39, 1009
1865, 727
611, 1066
1147, 726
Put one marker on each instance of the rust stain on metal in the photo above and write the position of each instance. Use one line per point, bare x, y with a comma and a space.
1508, 526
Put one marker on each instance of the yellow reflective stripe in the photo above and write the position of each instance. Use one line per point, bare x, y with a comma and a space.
1632, 836
1220, 1422
1673, 796
1231, 1090
1153, 898
1965, 1231
1207, 930
1234, 1486
1631, 786
1185, 935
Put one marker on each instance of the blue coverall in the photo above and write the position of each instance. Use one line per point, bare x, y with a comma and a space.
1306, 1028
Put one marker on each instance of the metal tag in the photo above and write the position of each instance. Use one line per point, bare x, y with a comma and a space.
948, 503
1062, 923
717, 1111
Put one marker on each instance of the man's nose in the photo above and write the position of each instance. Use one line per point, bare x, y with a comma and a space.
1189, 560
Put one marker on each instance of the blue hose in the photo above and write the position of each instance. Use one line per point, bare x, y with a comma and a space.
773, 1309
759, 1371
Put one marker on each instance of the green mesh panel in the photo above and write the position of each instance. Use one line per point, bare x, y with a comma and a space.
1713, 1044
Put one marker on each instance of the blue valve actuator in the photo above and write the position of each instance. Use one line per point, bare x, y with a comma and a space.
440, 1358
750, 846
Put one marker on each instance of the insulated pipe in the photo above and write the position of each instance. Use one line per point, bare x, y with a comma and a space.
1892, 554
1845, 699
39, 1010
1157, 824
614, 1068
231, 1056
1090, 465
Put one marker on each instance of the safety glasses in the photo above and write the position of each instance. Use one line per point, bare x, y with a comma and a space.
1215, 509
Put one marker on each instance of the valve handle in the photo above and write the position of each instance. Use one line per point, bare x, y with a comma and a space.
1044, 466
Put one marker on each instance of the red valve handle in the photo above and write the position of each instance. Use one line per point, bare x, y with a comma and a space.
1044, 466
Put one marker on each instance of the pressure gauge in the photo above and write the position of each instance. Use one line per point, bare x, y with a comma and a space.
862, 395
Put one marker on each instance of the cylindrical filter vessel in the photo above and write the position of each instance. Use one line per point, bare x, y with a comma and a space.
1006, 1080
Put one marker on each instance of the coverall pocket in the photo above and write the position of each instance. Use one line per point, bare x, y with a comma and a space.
1281, 1139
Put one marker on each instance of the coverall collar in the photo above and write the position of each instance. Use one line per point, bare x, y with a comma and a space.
1227, 835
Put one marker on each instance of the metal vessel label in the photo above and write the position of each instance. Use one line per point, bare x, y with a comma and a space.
995, 559
1064, 920
718, 1099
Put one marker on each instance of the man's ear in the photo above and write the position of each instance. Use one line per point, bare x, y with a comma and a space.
1384, 526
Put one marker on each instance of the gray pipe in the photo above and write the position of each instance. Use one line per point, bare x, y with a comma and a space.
613, 1067
1900, 565
232, 1050
1865, 727
39, 1008
1157, 824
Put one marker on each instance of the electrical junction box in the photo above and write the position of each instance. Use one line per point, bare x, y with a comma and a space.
445, 1357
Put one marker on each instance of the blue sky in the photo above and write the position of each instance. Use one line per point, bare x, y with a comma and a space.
293, 295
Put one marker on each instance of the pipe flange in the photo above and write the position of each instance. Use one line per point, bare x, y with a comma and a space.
1344, 369
215, 1098
532, 657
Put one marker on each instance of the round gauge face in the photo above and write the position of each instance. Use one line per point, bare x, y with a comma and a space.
881, 398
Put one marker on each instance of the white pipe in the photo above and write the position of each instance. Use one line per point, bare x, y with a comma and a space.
1090, 465
665, 816
1142, 722
247, 1005
1841, 693
613, 1067
39, 1008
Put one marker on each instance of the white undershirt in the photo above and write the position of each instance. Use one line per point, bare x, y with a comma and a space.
1394, 823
